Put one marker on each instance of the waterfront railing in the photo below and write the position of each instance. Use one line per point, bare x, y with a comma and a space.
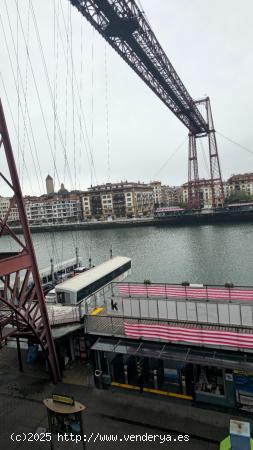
219, 336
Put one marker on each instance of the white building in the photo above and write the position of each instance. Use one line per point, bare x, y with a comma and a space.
4, 207
53, 209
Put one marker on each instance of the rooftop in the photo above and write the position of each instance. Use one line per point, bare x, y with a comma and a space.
85, 279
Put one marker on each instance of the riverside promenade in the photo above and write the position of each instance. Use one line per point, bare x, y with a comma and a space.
108, 413
183, 220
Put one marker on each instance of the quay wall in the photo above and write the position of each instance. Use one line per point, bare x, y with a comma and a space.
184, 220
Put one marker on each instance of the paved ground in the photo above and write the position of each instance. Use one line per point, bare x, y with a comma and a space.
124, 415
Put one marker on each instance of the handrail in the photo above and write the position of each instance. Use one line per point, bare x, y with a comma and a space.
165, 321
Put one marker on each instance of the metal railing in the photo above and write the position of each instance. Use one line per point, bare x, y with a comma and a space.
178, 309
65, 314
115, 325
182, 291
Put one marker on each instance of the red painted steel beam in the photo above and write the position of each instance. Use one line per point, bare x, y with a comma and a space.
22, 302
14, 264
125, 28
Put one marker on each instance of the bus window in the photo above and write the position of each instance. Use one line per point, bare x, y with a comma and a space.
61, 297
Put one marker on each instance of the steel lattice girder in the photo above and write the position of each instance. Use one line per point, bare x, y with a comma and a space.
215, 181
124, 26
22, 303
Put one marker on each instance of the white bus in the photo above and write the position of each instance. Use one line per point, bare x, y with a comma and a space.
89, 288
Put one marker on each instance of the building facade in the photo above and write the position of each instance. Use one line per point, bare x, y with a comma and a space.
60, 207
5, 203
171, 196
239, 183
55, 208
157, 187
205, 193
116, 200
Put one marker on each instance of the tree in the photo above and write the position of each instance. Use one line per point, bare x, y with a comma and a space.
239, 196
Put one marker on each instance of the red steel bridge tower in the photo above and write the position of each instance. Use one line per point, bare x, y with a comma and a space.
125, 28
22, 306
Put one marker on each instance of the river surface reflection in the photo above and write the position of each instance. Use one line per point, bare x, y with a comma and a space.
211, 254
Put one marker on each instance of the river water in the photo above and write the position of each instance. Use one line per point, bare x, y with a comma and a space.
211, 254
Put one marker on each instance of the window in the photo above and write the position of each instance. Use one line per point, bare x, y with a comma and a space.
210, 380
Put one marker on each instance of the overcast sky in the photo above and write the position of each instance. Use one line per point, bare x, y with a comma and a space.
127, 132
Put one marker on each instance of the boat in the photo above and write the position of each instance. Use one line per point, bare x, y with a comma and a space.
60, 271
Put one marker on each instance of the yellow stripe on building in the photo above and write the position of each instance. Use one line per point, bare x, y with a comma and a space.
152, 391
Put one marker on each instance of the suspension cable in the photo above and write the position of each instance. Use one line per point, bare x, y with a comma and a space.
50, 89
169, 158
87, 144
235, 143
107, 116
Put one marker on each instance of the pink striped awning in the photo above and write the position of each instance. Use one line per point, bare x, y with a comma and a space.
178, 291
189, 335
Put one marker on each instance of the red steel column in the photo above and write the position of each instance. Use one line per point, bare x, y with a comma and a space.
47, 335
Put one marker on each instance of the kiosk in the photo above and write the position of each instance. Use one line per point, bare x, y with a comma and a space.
65, 419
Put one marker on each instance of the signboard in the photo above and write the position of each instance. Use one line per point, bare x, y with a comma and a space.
244, 383
228, 376
61, 398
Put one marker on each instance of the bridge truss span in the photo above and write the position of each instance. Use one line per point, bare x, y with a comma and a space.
125, 28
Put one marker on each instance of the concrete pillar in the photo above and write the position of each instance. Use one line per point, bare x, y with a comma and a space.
155, 379
72, 350
125, 374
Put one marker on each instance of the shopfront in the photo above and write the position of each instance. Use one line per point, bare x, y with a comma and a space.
155, 373
200, 375
243, 381
214, 385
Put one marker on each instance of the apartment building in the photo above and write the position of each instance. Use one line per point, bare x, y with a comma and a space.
157, 188
53, 209
115, 200
59, 207
171, 196
239, 183
236, 183
205, 193
4, 207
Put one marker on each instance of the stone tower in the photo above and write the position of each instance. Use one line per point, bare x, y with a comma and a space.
50, 185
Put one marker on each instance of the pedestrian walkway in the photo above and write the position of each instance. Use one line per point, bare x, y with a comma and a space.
79, 373
111, 411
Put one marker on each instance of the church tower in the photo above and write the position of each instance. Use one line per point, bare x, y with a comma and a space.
50, 185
